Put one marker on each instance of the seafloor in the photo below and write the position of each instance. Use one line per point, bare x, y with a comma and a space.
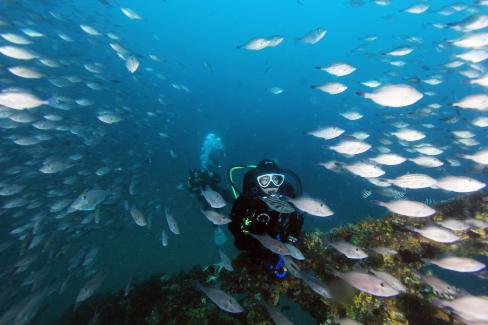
173, 300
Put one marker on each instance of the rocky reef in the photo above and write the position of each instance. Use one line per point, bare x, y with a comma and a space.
174, 300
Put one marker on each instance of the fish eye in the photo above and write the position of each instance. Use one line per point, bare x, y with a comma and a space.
381, 284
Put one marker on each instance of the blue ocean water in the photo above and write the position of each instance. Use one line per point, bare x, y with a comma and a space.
193, 80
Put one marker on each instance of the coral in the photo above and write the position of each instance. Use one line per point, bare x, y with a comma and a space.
173, 300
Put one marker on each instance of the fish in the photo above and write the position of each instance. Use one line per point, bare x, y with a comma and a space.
225, 260
439, 287
132, 64
413, 181
223, 300
164, 238
15, 38
331, 88
395, 95
90, 30
401, 51
409, 135
458, 264
351, 147
472, 40
131, 13
128, 287
437, 234
384, 250
327, 133
352, 116
348, 321
311, 206
25, 72
276, 90
389, 279
349, 250
277, 204
480, 157
459, 184
90, 287
389, 159
213, 198
275, 314
173, 226
256, 44
295, 252
408, 208
470, 309
138, 216
18, 53
338, 69
365, 170
367, 283
216, 217
314, 36
316, 284
477, 102
272, 244
31, 307
109, 117
19, 99
89, 200
427, 161
454, 224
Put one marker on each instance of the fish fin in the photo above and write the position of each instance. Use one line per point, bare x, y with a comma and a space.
377, 202
361, 93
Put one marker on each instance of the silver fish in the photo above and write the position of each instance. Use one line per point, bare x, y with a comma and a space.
225, 260
389, 279
173, 226
89, 200
275, 314
221, 299
272, 244
351, 251
213, 198
295, 252
215, 217
367, 283
315, 284
458, 264
138, 216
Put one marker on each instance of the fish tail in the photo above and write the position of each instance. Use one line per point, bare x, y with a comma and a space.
377, 202
313, 87
52, 101
411, 228
426, 260
361, 93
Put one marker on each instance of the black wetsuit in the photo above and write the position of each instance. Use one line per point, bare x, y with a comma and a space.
251, 215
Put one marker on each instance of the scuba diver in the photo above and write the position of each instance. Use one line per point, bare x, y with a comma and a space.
261, 208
